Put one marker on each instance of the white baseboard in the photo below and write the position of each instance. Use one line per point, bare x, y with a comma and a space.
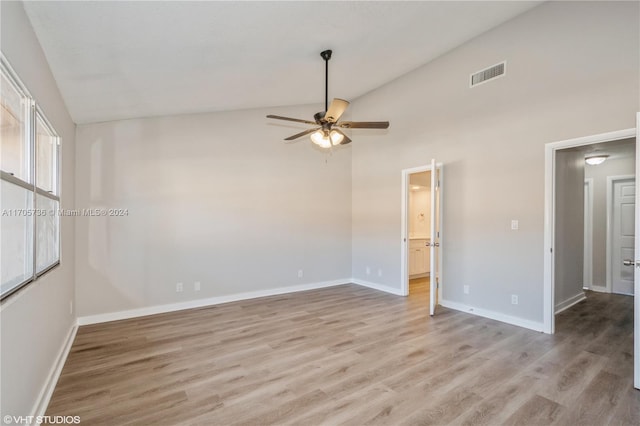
379, 287
199, 303
520, 322
563, 306
599, 288
42, 402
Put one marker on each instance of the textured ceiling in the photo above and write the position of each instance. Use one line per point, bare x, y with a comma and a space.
118, 60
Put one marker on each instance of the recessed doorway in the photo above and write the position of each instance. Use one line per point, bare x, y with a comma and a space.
564, 233
422, 233
419, 221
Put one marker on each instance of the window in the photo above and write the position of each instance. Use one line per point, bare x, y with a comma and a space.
17, 236
15, 108
46, 156
29, 187
47, 199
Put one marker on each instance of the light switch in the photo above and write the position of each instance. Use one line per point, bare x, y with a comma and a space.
514, 224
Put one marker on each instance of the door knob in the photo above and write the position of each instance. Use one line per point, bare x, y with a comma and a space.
628, 262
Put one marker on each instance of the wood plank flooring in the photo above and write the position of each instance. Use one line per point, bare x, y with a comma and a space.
349, 355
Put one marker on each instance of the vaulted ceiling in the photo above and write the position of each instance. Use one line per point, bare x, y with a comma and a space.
119, 60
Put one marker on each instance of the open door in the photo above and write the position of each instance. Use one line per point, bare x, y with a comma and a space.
434, 234
636, 275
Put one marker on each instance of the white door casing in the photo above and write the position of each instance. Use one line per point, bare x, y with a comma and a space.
437, 271
432, 238
636, 302
621, 211
588, 234
435, 258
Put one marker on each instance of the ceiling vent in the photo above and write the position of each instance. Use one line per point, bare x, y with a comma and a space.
488, 74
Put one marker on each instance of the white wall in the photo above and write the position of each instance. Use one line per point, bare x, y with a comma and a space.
613, 167
569, 228
217, 198
36, 321
419, 212
572, 71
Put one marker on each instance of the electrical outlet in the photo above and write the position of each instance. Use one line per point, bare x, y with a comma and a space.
179, 288
70, 307
196, 286
466, 289
379, 272
514, 299
300, 273
368, 271
514, 224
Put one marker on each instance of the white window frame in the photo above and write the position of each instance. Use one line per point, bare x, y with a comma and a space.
32, 114
53, 195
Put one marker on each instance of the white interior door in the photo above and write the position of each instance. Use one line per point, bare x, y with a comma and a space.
623, 236
434, 235
636, 309
587, 273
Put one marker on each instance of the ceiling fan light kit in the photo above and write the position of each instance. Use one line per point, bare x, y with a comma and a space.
325, 139
326, 136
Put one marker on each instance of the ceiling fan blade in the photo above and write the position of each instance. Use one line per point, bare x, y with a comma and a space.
364, 124
297, 120
336, 109
299, 135
345, 138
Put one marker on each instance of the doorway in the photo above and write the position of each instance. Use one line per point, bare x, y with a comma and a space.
607, 208
421, 233
419, 221
565, 230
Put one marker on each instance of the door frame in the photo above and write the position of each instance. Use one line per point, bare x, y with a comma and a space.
636, 285
549, 211
611, 180
587, 274
404, 230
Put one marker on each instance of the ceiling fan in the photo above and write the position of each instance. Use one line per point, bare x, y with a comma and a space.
328, 133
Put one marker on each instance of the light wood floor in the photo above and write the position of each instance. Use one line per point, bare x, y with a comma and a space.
419, 286
355, 356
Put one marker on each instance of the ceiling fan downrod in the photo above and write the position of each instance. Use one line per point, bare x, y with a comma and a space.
326, 55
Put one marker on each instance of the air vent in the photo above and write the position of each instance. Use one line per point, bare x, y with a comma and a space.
487, 74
